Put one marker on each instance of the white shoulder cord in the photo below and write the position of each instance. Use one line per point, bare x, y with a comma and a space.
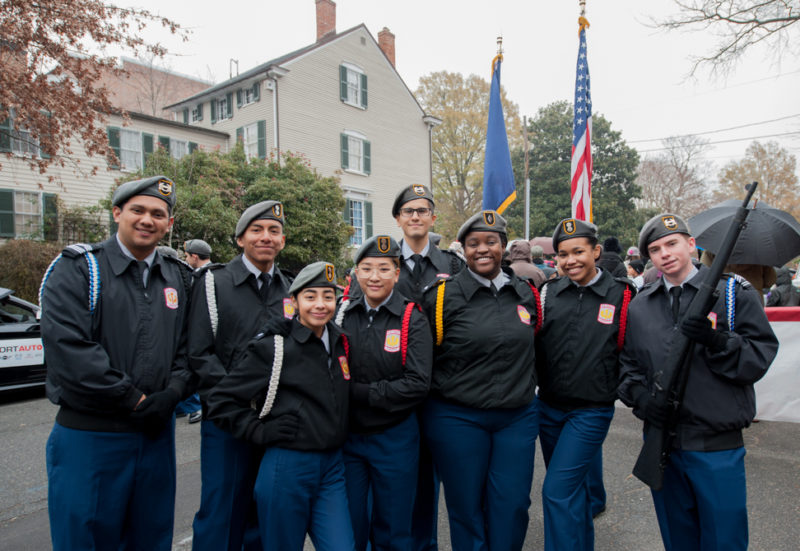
211, 300
272, 390
342, 307
542, 296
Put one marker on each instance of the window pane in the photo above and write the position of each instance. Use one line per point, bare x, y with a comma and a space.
130, 146
27, 217
354, 150
353, 84
357, 221
178, 148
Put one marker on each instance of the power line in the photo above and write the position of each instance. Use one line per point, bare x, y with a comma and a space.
796, 133
721, 129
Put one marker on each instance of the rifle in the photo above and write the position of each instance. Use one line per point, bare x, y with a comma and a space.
670, 381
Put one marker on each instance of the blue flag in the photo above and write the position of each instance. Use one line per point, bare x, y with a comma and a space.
499, 189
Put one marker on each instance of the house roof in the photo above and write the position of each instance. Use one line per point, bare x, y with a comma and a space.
174, 124
262, 69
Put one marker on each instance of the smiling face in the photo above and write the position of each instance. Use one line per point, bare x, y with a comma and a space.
577, 258
262, 241
484, 251
416, 226
142, 222
315, 307
672, 256
377, 276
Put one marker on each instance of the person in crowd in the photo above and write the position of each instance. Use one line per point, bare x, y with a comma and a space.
521, 263
198, 253
633, 254
784, 293
231, 302
391, 353
577, 361
635, 271
703, 501
289, 395
610, 260
537, 254
758, 276
113, 328
480, 419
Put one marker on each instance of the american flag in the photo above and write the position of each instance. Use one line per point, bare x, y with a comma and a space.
581, 172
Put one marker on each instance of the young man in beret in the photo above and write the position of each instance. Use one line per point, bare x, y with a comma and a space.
421, 262
231, 302
702, 504
113, 320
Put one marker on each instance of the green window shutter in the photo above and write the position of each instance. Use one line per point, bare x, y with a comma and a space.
342, 82
366, 147
200, 111
113, 143
163, 141
345, 155
364, 91
213, 103
147, 146
50, 216
345, 214
229, 99
239, 98
240, 135
257, 90
186, 116
192, 147
6, 213
5, 135
262, 139
367, 219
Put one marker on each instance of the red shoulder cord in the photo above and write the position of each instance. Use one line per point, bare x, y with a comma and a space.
623, 318
538, 307
404, 331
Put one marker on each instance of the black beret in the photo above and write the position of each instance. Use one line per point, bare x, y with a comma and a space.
572, 227
659, 226
318, 274
415, 191
612, 245
265, 210
156, 186
197, 246
378, 246
485, 220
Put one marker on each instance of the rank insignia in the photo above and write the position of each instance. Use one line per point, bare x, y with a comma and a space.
392, 342
606, 314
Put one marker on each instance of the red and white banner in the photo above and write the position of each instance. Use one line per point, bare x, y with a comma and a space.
778, 393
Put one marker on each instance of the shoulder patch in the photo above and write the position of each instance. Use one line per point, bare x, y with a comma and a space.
436, 283
77, 249
627, 281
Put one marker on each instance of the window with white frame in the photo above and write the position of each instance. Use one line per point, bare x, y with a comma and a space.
223, 112
27, 214
355, 208
353, 85
17, 140
250, 140
197, 113
178, 148
248, 96
356, 152
130, 149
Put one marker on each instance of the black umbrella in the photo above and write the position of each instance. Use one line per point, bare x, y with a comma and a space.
771, 237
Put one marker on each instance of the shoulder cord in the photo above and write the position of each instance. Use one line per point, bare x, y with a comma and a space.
542, 299
343, 306
211, 300
439, 321
730, 301
623, 318
539, 299
274, 378
404, 331
94, 279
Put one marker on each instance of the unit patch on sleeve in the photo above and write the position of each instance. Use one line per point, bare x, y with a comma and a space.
171, 298
392, 342
524, 315
606, 314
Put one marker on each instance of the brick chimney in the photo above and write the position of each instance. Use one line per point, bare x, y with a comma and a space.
326, 18
386, 42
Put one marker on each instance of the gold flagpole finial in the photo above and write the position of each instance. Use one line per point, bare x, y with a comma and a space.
499, 45
582, 4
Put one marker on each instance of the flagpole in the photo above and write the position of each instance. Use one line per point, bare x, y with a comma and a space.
527, 180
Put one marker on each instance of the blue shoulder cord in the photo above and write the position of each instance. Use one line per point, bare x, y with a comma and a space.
94, 275
730, 301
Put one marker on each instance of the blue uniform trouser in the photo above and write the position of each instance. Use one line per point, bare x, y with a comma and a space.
299, 493
111, 490
189, 405
485, 460
570, 442
386, 464
228, 469
703, 503
597, 490
425, 518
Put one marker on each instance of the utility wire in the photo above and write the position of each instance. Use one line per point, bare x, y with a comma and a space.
720, 130
796, 133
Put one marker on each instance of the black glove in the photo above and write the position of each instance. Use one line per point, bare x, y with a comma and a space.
698, 328
360, 392
280, 429
156, 410
651, 411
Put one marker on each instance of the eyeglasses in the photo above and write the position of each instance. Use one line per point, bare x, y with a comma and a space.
423, 212
383, 272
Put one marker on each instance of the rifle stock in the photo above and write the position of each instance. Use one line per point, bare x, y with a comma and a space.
669, 381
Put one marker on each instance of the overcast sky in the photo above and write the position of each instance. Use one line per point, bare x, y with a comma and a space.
638, 73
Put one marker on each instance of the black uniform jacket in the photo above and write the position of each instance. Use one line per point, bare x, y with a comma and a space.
240, 316
383, 391
99, 364
487, 358
719, 399
313, 386
576, 349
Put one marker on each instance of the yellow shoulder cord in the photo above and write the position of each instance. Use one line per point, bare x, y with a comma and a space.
440, 314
